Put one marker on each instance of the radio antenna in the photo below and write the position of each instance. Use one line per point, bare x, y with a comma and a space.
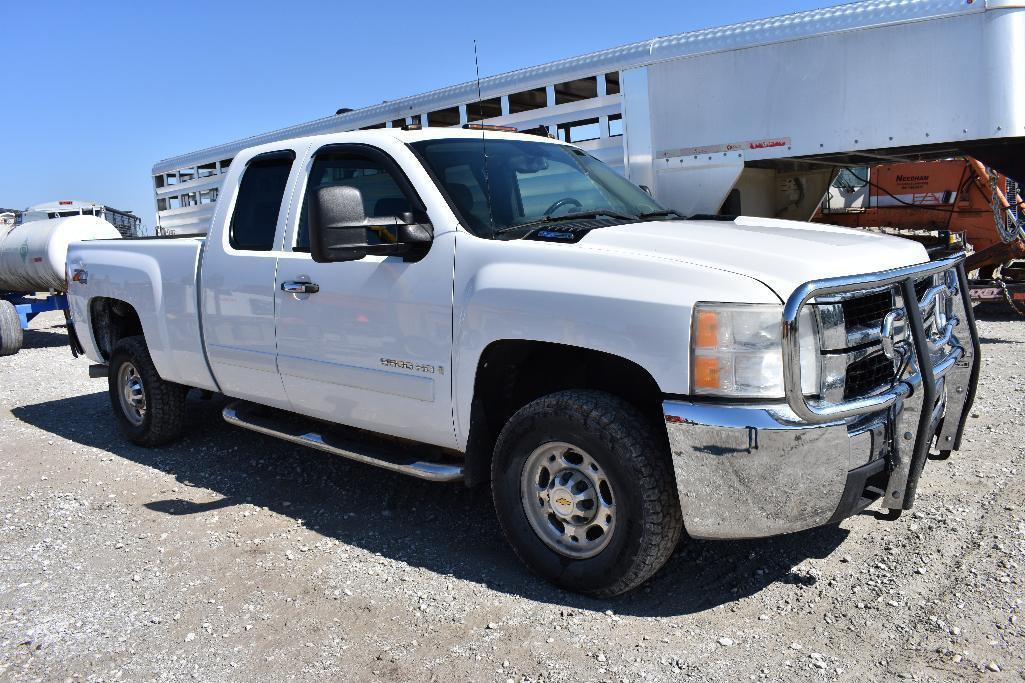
483, 137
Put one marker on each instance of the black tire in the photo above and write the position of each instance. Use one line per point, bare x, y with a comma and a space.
11, 336
636, 462
163, 416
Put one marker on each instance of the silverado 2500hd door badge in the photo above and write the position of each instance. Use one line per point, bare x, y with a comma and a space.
774, 415
410, 365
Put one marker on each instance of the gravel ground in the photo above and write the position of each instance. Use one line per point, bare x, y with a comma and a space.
232, 556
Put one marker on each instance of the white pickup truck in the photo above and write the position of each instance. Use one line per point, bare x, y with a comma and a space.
498, 308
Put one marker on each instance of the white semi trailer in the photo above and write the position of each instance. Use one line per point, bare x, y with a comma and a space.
751, 118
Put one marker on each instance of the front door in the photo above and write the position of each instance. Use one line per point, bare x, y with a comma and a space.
371, 348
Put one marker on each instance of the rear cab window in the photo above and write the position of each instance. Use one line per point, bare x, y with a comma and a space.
254, 220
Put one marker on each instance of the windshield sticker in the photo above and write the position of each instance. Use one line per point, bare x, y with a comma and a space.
561, 236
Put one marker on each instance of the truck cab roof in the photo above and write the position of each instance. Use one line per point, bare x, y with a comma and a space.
382, 136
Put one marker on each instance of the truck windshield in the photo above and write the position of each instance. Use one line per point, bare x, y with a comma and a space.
496, 186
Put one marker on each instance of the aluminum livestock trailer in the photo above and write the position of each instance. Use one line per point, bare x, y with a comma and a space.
750, 118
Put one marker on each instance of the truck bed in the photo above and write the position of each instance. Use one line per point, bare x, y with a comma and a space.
159, 278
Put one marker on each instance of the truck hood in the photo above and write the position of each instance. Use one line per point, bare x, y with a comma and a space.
781, 254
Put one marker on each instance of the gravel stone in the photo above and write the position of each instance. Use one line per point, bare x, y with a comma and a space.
232, 556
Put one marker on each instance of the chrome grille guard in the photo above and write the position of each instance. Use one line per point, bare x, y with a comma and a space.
822, 412
948, 352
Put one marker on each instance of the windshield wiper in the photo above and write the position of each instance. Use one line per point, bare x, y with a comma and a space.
598, 213
661, 213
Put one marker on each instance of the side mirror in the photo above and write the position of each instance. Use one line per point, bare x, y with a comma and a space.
341, 231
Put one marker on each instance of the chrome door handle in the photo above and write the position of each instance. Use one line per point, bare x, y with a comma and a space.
300, 287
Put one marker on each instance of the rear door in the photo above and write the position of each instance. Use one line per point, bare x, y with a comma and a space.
372, 347
238, 279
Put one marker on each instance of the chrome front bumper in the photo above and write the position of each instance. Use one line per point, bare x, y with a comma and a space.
755, 471
749, 471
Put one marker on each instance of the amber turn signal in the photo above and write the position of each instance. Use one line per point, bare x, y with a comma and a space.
706, 329
706, 372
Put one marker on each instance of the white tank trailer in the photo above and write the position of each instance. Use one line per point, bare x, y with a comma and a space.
32, 257
32, 254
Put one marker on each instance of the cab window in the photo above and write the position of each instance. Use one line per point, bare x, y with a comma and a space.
255, 218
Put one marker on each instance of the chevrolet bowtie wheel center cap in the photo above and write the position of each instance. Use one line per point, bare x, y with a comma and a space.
562, 502
568, 500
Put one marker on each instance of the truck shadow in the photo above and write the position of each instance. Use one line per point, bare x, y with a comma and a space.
45, 338
996, 312
444, 528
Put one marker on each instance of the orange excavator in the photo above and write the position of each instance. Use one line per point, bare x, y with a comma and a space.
947, 205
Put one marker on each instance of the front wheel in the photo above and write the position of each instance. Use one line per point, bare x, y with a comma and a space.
149, 409
584, 492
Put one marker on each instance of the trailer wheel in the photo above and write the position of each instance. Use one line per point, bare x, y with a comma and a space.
585, 493
149, 409
11, 336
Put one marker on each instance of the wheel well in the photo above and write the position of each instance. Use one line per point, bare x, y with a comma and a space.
511, 374
112, 320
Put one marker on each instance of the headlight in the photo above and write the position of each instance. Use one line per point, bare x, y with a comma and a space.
737, 351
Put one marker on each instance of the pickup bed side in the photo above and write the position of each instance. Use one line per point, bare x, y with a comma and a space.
157, 280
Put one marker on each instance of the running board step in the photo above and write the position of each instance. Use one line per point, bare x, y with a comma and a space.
349, 443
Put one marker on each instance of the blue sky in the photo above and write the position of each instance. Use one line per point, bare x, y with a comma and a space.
95, 93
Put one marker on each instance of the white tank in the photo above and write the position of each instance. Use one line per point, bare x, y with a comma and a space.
32, 254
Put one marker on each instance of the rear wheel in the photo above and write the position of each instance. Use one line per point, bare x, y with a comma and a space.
149, 409
585, 493
11, 336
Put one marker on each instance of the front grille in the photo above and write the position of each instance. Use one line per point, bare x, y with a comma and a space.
868, 374
869, 310
866, 311
863, 315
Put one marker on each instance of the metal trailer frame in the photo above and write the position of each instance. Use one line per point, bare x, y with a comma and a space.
755, 116
29, 308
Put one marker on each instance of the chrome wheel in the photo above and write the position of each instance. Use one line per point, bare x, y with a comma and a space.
132, 393
568, 500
